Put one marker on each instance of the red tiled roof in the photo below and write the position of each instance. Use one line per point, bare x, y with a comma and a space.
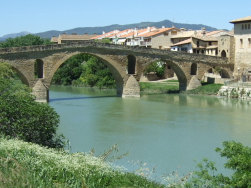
183, 42
155, 32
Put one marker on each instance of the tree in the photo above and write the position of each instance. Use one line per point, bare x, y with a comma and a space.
156, 67
27, 40
21, 117
238, 160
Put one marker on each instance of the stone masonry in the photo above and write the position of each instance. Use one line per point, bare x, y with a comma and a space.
115, 57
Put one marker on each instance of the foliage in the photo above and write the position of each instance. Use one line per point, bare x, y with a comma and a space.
96, 73
27, 40
30, 165
22, 117
105, 40
157, 67
70, 70
238, 160
6, 71
84, 70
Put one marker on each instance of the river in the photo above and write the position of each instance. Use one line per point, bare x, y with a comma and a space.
167, 131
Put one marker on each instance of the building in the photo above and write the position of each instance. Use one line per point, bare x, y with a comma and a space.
64, 38
198, 41
242, 38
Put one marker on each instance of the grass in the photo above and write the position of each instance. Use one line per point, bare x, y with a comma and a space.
205, 89
158, 87
25, 164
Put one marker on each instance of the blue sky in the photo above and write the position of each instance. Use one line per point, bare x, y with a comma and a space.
38, 16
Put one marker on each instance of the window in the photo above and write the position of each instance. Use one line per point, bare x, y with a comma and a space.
166, 33
242, 26
209, 43
249, 42
248, 26
198, 44
241, 43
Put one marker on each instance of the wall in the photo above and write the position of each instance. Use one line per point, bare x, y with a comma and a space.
242, 52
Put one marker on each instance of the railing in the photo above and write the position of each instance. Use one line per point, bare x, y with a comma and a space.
236, 83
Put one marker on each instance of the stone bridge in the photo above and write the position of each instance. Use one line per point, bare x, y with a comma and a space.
126, 64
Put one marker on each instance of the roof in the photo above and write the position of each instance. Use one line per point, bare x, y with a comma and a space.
103, 35
245, 19
75, 37
54, 39
206, 38
140, 33
156, 32
212, 47
183, 42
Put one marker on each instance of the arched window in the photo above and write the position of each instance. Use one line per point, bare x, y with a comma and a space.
194, 69
223, 53
131, 65
39, 68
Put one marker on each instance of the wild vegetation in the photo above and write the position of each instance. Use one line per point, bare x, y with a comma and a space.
27, 40
21, 117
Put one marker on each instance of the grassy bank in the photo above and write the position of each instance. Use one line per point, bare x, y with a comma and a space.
205, 89
29, 165
159, 87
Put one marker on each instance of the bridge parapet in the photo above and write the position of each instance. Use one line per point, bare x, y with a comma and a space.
133, 49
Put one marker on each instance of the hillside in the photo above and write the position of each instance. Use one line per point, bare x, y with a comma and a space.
98, 30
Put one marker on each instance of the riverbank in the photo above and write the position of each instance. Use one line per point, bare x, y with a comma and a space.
172, 86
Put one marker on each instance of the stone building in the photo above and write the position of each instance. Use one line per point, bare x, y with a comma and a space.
242, 37
74, 37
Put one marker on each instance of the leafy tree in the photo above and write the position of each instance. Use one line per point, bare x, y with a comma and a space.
238, 160
85, 70
21, 117
27, 40
70, 70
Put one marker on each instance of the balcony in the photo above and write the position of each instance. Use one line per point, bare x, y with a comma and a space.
143, 43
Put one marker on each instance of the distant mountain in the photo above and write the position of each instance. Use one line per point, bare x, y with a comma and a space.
13, 35
99, 30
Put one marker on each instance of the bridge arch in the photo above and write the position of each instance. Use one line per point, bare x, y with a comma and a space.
194, 69
131, 64
111, 64
39, 68
182, 77
22, 75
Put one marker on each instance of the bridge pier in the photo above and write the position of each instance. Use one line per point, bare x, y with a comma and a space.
131, 88
41, 92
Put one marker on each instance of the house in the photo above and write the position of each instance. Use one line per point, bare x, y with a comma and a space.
198, 41
64, 38
242, 39
159, 38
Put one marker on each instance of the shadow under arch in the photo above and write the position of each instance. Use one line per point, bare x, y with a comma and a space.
111, 64
177, 70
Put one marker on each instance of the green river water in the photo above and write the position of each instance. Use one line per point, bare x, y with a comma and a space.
167, 131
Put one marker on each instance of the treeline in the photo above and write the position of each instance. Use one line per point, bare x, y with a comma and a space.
84, 70
27, 40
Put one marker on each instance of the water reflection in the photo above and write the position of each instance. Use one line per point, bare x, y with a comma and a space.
165, 131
